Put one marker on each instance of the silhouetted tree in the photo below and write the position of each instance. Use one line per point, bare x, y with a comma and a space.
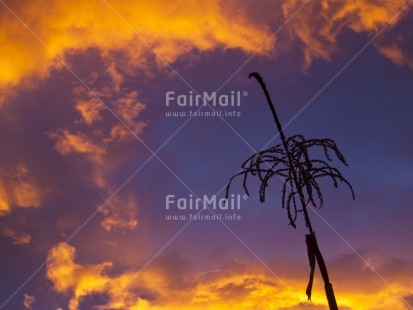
291, 161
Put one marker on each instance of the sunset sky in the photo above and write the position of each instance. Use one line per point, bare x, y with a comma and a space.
89, 152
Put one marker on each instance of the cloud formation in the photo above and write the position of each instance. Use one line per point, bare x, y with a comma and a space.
77, 143
240, 285
18, 189
137, 34
28, 301
108, 118
17, 238
86, 280
92, 143
320, 23
171, 29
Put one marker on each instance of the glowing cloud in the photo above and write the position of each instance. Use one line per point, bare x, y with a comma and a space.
321, 22
90, 110
171, 28
16, 237
120, 212
18, 189
240, 286
28, 301
96, 134
85, 280
67, 143
133, 30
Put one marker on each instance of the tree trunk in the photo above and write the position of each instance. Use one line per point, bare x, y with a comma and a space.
312, 242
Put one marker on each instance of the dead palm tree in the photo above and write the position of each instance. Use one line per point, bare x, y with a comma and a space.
291, 161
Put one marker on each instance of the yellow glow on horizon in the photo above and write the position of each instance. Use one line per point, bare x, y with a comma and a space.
241, 290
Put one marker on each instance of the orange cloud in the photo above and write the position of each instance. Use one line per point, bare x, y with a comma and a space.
77, 143
242, 285
120, 213
172, 29
102, 135
128, 108
17, 238
130, 289
320, 23
28, 301
110, 133
18, 189
107, 99
84, 280
90, 110
395, 44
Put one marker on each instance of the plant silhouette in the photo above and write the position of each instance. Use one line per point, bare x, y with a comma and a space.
291, 161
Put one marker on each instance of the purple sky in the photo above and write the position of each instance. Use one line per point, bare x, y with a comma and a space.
89, 154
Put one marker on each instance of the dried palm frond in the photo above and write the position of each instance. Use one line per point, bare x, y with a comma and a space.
292, 162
